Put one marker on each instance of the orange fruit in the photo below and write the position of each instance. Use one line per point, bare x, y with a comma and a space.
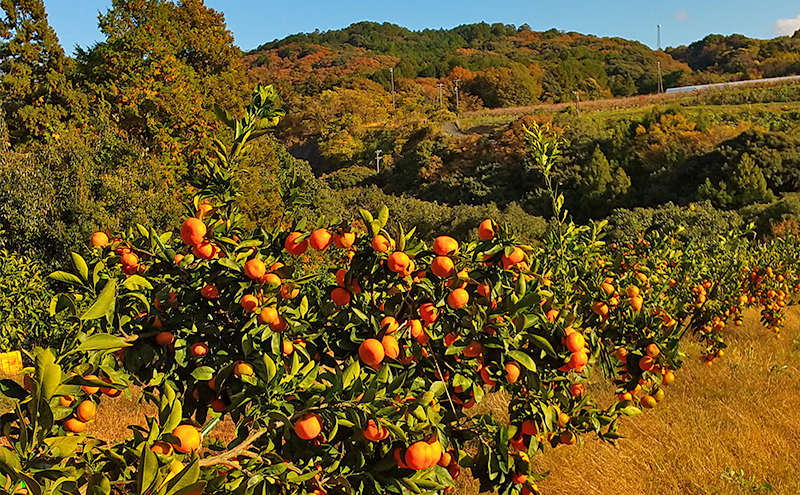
529, 427
109, 391
209, 291
442, 266
418, 456
473, 349
646, 363
600, 308
289, 291
293, 247
577, 389
486, 230
375, 434
659, 395
66, 400
458, 299
86, 411
243, 369
344, 240
165, 338
188, 438
193, 231
486, 377
270, 279
340, 296
308, 427
398, 262
99, 239
669, 377
637, 302
320, 239
578, 359
575, 342
371, 352
444, 245
255, 269
428, 312
389, 323
164, 448
74, 425
129, 259
567, 438
205, 250
199, 349
204, 209
391, 347
416, 328
249, 303
648, 402
287, 348
279, 325
90, 389
652, 350
622, 354
380, 243
519, 478
512, 372
446, 459
267, 315
517, 256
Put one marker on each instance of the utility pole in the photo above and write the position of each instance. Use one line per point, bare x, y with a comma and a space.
391, 73
577, 101
660, 82
378, 160
457, 81
440, 86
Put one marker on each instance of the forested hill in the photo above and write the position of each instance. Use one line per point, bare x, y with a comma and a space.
503, 65
543, 66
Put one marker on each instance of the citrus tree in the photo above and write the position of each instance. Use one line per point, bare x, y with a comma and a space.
348, 354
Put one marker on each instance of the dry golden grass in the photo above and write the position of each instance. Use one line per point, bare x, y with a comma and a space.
740, 414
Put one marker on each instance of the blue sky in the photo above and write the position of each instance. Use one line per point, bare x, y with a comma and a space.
255, 22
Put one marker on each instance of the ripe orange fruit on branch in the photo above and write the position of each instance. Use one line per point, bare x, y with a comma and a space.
473, 349
293, 247
199, 349
391, 347
390, 324
340, 296
243, 369
320, 239
375, 434
165, 338
205, 250
74, 425
267, 315
86, 411
193, 231
442, 266
249, 303
418, 456
486, 230
398, 262
90, 389
458, 299
575, 342
516, 256
512, 372
188, 437
255, 269
163, 448
371, 352
444, 245
129, 259
308, 427
209, 291
428, 313
344, 240
99, 239
381, 244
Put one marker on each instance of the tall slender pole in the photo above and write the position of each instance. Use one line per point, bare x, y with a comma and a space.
457, 81
378, 160
391, 72
440, 86
660, 82
659, 37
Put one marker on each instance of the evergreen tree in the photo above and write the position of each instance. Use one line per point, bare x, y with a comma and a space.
749, 183
35, 94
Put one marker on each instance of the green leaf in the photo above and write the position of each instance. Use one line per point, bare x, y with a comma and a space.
230, 264
9, 461
542, 343
61, 302
63, 447
80, 266
630, 411
12, 389
66, 277
48, 374
351, 373
102, 342
137, 282
271, 369
148, 470
367, 216
104, 304
293, 477
383, 215
523, 359
193, 489
203, 373
186, 477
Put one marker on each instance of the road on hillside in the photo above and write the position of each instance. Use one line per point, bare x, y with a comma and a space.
452, 129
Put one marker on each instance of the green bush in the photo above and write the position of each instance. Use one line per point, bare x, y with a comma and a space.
698, 220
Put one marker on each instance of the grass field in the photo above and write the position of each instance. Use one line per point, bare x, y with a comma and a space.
731, 428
